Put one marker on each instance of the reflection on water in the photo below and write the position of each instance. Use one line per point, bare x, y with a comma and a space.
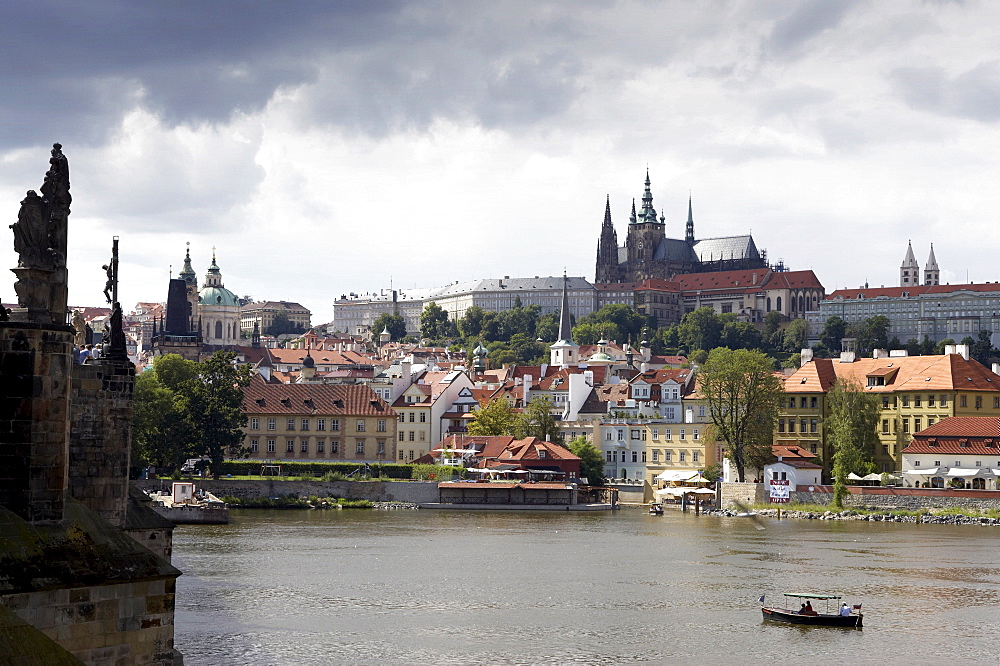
502, 587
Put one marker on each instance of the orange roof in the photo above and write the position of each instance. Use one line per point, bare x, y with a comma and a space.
947, 372
531, 448
261, 397
916, 290
971, 435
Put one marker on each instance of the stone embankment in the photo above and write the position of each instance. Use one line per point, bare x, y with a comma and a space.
924, 518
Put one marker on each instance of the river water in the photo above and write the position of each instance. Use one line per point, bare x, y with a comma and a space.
451, 587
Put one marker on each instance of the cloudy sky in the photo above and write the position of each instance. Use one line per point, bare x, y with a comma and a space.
333, 147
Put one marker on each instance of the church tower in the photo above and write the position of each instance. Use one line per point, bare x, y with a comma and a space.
932, 274
190, 289
564, 352
689, 227
645, 234
218, 310
909, 271
607, 250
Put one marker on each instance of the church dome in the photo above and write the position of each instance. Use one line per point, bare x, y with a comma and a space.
217, 296
308, 361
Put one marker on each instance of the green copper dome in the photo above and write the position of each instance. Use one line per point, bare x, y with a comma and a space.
217, 296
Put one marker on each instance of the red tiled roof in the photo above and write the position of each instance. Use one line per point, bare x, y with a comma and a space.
968, 435
741, 281
793, 280
350, 399
947, 372
916, 290
530, 448
790, 452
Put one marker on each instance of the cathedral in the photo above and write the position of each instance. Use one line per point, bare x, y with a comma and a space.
648, 253
909, 270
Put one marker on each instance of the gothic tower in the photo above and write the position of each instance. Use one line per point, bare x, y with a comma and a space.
689, 227
909, 271
191, 289
645, 233
607, 250
932, 274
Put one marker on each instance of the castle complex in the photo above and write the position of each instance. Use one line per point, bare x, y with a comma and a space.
648, 253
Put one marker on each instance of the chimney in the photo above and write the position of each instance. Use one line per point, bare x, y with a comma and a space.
807, 356
527, 390
406, 365
847, 357
963, 350
880, 353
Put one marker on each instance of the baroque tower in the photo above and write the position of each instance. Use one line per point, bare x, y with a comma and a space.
190, 288
645, 233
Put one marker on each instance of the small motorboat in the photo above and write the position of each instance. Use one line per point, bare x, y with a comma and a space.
655, 509
844, 616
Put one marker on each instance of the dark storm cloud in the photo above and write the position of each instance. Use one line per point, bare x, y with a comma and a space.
806, 21
72, 68
974, 94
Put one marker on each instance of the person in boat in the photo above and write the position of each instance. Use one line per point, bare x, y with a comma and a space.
809, 609
845, 610
802, 610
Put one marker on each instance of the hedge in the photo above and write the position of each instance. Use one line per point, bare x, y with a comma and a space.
318, 469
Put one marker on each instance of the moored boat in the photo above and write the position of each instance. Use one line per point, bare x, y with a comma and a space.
656, 509
845, 616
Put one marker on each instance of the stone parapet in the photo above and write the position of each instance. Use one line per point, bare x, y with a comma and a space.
744, 493
416, 492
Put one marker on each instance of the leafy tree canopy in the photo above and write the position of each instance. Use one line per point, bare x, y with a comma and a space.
591, 460
395, 324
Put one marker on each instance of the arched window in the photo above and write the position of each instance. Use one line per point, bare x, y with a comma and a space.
802, 303
777, 302
768, 303
218, 330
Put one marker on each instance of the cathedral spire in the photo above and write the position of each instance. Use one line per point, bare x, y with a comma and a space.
909, 271
632, 219
607, 250
648, 213
689, 228
565, 329
187, 273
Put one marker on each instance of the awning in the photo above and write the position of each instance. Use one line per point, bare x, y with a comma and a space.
854, 477
930, 471
670, 475
970, 472
872, 477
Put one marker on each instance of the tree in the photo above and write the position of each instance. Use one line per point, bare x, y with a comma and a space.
216, 407
700, 329
795, 335
547, 327
433, 322
872, 333
912, 347
620, 322
834, 331
982, 348
742, 392
591, 460
495, 418
536, 420
851, 432
394, 323
161, 433
590, 333
939, 349
471, 323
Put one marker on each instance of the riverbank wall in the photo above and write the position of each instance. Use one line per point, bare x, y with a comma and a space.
415, 492
889, 497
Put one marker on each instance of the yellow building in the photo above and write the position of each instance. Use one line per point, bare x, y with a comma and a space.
325, 422
413, 430
915, 392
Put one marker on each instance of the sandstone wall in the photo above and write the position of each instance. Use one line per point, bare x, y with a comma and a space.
416, 492
745, 493
130, 623
906, 498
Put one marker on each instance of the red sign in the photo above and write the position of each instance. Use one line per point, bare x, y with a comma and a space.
780, 491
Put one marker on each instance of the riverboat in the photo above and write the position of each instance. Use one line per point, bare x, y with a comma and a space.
852, 620
656, 509
185, 506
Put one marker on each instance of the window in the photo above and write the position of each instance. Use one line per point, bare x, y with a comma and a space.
656, 434
683, 456
413, 417
305, 424
380, 447
906, 401
791, 403
791, 425
361, 425
701, 411
694, 434
656, 455
335, 424
270, 446
335, 446
321, 446
694, 456
634, 434
666, 434
668, 455
621, 435
996, 402
304, 446
413, 435
320, 424
906, 425
401, 453
916, 425
380, 425
813, 425
781, 425
402, 436
423, 417
885, 426
410, 455
635, 456
979, 402
643, 456
916, 401
930, 401
255, 424
944, 401
961, 400
682, 433
885, 402
802, 426
254, 446
289, 446
402, 418
812, 402
271, 424
609, 435
802, 402
290, 424
359, 446
609, 456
